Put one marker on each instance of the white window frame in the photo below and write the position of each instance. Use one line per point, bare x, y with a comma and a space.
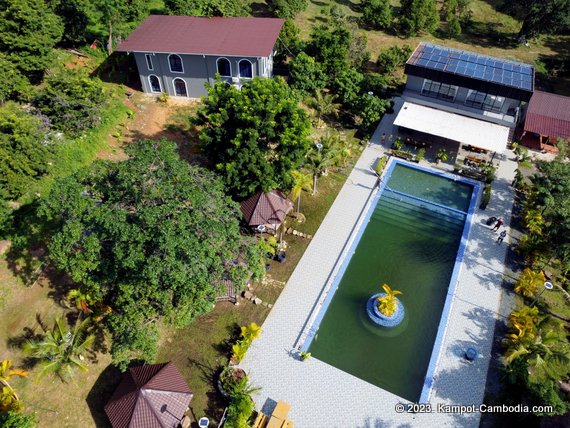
181, 63
150, 84
218, 68
239, 69
174, 87
149, 63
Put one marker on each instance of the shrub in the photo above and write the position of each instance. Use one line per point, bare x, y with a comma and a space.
393, 57
418, 16
306, 74
17, 420
486, 196
287, 8
370, 109
72, 101
377, 13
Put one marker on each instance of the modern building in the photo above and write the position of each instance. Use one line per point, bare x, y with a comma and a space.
462, 96
547, 120
177, 55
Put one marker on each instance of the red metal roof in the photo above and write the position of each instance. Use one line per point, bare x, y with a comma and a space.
149, 396
266, 208
548, 114
224, 36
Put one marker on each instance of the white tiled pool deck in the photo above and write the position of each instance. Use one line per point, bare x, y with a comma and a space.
322, 396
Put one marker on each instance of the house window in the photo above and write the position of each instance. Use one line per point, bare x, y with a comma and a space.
175, 63
484, 101
245, 69
180, 87
154, 83
224, 68
149, 61
439, 90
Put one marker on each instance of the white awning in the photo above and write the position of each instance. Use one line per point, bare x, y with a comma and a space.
466, 130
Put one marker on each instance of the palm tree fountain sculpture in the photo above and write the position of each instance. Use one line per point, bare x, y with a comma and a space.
385, 308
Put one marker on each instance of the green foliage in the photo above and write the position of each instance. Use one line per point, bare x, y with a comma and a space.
486, 198
387, 303
241, 405
149, 237
358, 54
380, 165
287, 8
442, 155
247, 334
449, 9
206, 7
375, 83
392, 58
306, 74
300, 182
255, 136
421, 154
13, 85
73, 101
17, 420
529, 282
330, 49
347, 86
370, 108
325, 106
28, 32
75, 16
377, 14
453, 28
418, 16
542, 16
288, 41
24, 150
60, 350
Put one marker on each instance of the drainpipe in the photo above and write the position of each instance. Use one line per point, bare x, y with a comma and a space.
207, 71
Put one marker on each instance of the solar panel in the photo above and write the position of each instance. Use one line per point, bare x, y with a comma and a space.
482, 67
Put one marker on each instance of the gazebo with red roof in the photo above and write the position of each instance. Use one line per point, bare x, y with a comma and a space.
266, 208
547, 119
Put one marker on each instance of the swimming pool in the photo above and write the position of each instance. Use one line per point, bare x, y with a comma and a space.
413, 239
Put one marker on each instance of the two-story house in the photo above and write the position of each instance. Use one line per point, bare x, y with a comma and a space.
463, 96
177, 55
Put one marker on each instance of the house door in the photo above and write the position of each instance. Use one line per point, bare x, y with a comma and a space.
180, 88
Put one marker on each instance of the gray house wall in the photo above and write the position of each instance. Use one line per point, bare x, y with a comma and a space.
507, 116
198, 69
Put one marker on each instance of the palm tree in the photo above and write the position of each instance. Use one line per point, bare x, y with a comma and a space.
300, 182
321, 157
324, 104
529, 282
60, 351
9, 400
387, 303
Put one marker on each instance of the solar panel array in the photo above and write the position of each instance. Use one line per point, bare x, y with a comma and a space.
469, 64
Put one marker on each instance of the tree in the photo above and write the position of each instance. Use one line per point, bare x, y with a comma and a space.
28, 32
453, 27
377, 14
542, 16
75, 16
288, 41
9, 400
255, 136
72, 101
418, 16
13, 419
150, 237
287, 8
322, 156
60, 350
347, 86
300, 182
25, 150
450, 9
14, 84
393, 57
324, 105
206, 7
370, 110
330, 49
306, 74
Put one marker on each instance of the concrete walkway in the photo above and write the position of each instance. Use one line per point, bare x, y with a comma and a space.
324, 396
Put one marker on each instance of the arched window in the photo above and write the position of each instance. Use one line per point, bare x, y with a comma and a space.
224, 67
180, 87
175, 63
154, 83
245, 69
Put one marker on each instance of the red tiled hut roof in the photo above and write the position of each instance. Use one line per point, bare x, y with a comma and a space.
266, 208
224, 36
548, 114
149, 396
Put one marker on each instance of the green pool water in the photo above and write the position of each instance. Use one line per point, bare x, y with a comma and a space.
413, 249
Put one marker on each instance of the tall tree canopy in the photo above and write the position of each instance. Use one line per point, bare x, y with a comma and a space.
418, 16
28, 32
152, 237
206, 7
255, 136
539, 16
13, 83
24, 150
330, 48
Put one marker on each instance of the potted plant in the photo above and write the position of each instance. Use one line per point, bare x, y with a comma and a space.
441, 155
421, 154
304, 356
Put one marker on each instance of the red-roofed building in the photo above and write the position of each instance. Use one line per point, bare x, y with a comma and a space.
179, 54
547, 119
